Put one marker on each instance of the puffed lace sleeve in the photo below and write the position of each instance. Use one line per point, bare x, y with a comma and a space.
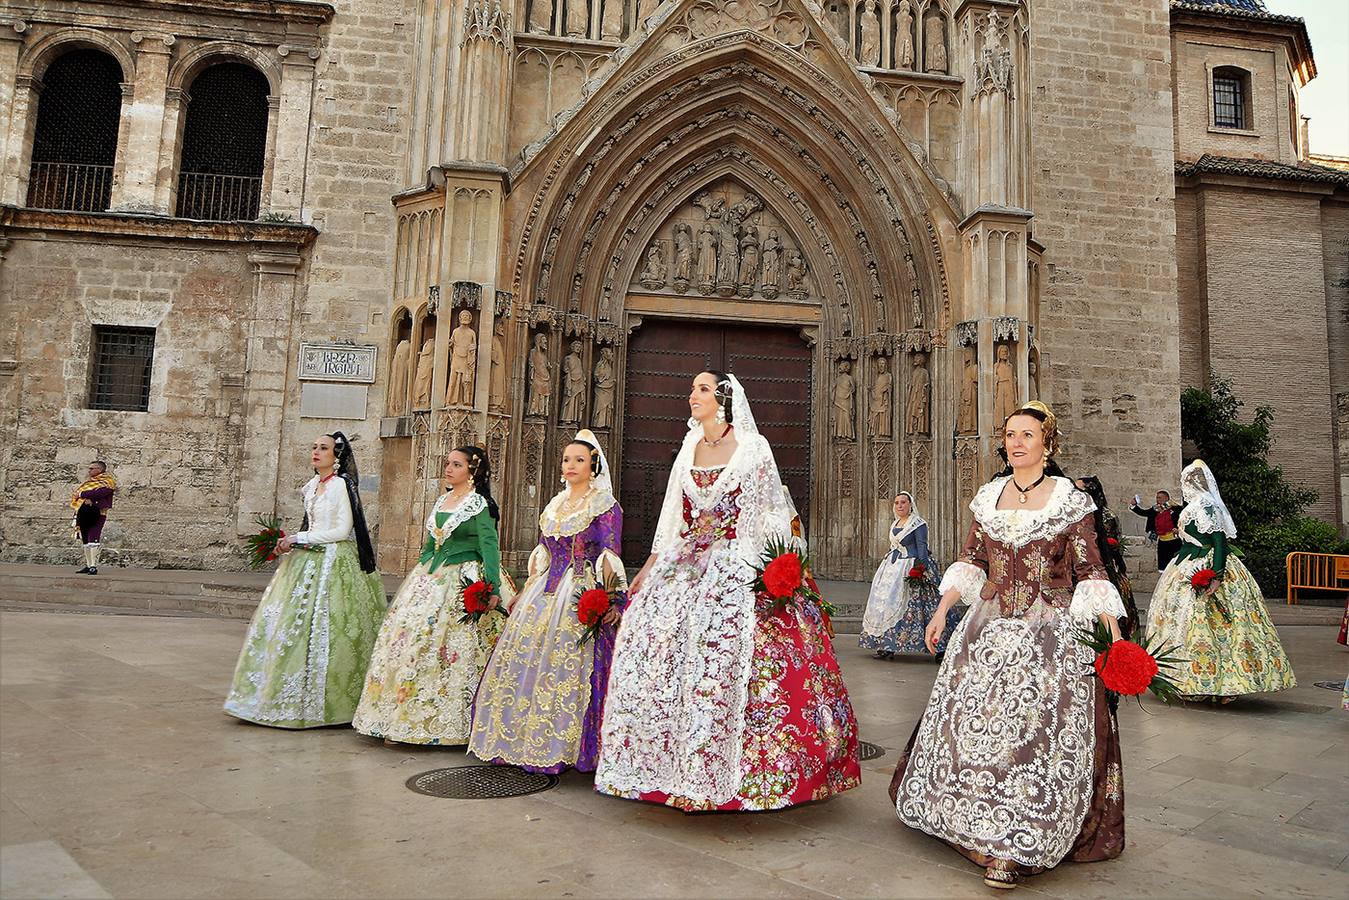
335, 522
970, 569
1093, 592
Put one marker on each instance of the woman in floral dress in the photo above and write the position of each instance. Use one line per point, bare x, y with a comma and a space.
1223, 632
1015, 763
310, 639
542, 695
899, 607
427, 662
718, 699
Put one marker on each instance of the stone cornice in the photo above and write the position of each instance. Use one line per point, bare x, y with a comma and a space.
311, 13
16, 221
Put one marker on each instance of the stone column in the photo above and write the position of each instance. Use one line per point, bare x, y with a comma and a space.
266, 377
170, 141
18, 95
484, 60
143, 127
290, 121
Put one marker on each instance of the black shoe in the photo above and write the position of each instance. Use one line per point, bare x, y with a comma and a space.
938, 657
84, 571
91, 571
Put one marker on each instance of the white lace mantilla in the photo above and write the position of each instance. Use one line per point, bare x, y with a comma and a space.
469, 507
1018, 527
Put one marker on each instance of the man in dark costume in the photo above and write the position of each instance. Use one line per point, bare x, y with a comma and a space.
91, 502
1161, 526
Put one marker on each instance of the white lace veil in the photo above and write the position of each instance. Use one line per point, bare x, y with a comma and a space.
765, 511
603, 482
1203, 503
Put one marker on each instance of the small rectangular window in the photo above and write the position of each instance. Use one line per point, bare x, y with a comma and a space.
1229, 104
122, 361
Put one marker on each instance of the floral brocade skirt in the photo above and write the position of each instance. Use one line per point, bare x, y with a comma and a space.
309, 642
426, 664
893, 595
542, 694
1227, 643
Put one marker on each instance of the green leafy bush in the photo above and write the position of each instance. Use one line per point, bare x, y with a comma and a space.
1266, 548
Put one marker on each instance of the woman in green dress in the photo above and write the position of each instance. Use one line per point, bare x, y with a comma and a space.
304, 660
1223, 632
427, 662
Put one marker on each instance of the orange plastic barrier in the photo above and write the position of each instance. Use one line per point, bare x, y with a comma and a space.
1319, 571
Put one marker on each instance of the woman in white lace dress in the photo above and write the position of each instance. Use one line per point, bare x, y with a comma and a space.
717, 698
1016, 761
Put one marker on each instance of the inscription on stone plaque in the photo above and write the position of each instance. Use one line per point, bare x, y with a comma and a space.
337, 362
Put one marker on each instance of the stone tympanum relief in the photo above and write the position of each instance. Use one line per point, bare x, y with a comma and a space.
724, 242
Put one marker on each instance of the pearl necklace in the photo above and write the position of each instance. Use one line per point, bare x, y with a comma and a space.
570, 506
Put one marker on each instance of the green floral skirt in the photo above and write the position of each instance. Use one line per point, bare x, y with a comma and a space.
303, 662
1227, 642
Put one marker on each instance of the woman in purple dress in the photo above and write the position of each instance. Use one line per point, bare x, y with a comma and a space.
542, 694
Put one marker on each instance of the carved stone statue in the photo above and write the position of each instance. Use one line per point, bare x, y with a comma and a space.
653, 275
611, 25
845, 402
540, 378
748, 281
728, 253
498, 385
1004, 386
967, 416
871, 35
796, 275
541, 16
578, 18
426, 365
602, 413
904, 36
573, 384
920, 397
772, 264
934, 43
1033, 371
881, 390
463, 362
397, 404
683, 256
707, 258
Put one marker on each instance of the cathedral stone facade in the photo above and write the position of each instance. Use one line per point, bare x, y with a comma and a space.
457, 221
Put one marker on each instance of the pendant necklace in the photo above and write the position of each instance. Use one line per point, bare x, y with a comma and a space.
718, 440
1026, 490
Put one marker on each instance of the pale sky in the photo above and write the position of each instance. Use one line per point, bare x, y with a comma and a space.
1326, 99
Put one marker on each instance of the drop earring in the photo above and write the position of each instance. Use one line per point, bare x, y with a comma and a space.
721, 415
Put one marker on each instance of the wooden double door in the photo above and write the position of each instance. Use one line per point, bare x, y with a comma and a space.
773, 364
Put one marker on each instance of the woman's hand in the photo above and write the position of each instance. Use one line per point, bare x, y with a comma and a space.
284, 545
1213, 586
935, 626
611, 617
1112, 625
636, 582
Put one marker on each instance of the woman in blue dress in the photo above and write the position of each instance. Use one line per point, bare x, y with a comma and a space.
900, 606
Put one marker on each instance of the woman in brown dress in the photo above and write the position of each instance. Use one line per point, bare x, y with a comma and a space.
1016, 762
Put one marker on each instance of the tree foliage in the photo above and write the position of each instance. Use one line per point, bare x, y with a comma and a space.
1255, 492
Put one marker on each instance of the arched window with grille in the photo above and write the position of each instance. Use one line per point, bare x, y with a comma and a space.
75, 137
224, 144
1231, 98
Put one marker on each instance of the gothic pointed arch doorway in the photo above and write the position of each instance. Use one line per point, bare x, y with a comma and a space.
772, 362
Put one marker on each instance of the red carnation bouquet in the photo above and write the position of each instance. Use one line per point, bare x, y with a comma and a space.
1128, 668
477, 599
262, 547
916, 574
593, 605
1201, 581
784, 576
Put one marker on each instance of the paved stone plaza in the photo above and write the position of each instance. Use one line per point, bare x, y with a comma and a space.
121, 777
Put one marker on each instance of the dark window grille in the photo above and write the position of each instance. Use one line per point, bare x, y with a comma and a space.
224, 144
122, 362
75, 138
1229, 98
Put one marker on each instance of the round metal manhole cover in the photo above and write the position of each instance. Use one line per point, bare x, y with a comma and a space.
1331, 685
867, 750
480, 782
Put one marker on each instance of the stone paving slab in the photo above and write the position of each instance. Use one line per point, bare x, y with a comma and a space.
120, 776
